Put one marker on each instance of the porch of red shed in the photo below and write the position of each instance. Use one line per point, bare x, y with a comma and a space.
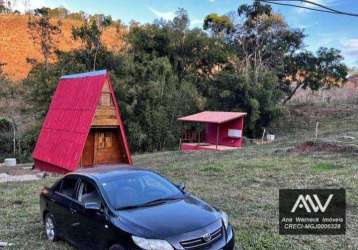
219, 131
202, 146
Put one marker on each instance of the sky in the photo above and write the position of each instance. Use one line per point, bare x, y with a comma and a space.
322, 29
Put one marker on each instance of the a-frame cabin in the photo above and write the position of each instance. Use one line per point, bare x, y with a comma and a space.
83, 126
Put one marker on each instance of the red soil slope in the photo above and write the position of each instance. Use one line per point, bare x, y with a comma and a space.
16, 43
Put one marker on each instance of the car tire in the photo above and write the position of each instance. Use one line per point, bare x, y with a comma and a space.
50, 227
117, 247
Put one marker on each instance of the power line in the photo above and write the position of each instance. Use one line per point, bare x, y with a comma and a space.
323, 8
298, 6
309, 2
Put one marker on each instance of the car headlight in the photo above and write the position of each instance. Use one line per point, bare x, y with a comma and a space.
149, 244
225, 219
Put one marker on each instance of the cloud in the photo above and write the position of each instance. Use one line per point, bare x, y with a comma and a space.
165, 15
307, 26
350, 46
22, 5
196, 22
327, 39
211, 1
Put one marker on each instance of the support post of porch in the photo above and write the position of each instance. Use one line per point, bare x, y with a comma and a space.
181, 135
217, 135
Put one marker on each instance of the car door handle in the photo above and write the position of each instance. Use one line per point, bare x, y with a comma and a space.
73, 211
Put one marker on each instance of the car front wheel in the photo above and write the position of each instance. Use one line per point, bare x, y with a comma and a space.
50, 228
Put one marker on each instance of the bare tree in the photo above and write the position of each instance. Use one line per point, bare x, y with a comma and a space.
90, 35
44, 32
27, 6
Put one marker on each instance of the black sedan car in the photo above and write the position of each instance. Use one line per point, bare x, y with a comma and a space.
122, 207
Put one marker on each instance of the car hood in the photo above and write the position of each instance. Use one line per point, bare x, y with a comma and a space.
170, 218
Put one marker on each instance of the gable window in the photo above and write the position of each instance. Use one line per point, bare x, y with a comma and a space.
106, 100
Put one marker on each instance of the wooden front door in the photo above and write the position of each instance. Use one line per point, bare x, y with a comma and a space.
107, 147
102, 147
88, 151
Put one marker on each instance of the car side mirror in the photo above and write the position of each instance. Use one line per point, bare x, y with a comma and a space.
92, 206
181, 186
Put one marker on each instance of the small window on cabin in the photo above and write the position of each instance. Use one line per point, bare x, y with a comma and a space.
101, 143
108, 140
104, 140
106, 100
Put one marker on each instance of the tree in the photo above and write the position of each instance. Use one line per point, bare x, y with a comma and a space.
218, 25
44, 32
158, 80
8, 144
10, 107
306, 70
151, 98
268, 43
90, 34
230, 91
181, 21
263, 39
39, 87
4, 9
192, 53
59, 12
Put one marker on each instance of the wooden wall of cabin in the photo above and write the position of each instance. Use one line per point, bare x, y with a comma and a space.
105, 113
103, 144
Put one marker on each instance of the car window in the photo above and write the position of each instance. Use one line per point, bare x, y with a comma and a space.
138, 188
57, 186
68, 186
87, 193
153, 183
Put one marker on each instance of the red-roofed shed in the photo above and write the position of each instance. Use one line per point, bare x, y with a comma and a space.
223, 131
83, 126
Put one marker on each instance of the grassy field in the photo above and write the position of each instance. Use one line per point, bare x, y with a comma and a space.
244, 183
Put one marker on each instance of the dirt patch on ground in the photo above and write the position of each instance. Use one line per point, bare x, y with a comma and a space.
318, 112
17, 170
329, 147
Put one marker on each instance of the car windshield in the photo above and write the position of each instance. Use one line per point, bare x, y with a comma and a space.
138, 189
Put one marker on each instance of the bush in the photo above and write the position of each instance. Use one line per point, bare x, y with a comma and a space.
6, 139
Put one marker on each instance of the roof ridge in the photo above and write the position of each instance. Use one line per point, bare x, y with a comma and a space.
85, 74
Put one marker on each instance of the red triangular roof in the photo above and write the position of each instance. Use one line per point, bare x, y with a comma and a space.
69, 118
